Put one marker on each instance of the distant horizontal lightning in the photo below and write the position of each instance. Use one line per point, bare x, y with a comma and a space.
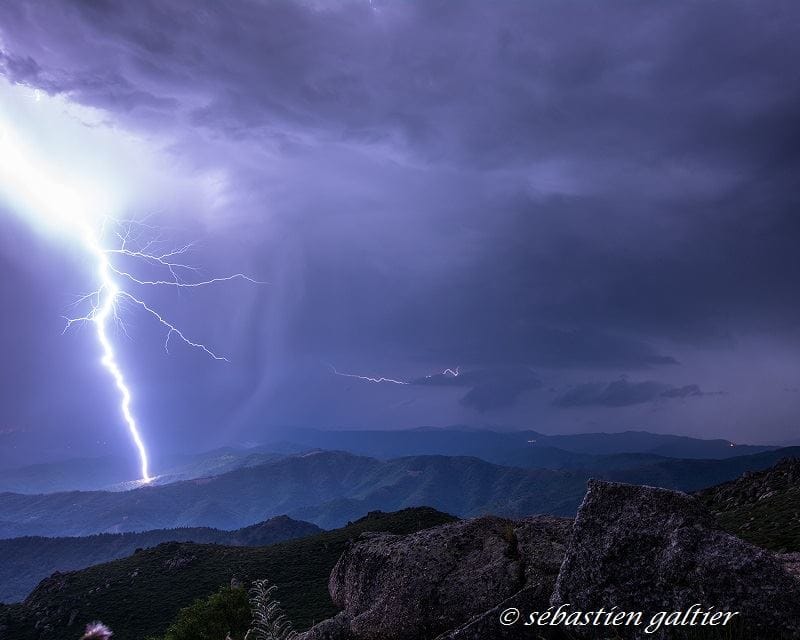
454, 373
366, 378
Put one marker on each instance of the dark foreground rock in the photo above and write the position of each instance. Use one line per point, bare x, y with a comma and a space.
631, 549
486, 625
646, 549
439, 580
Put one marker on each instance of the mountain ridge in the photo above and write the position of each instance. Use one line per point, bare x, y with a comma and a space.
328, 488
525, 448
25, 561
121, 592
237, 498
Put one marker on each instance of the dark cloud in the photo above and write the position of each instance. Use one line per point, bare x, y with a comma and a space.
587, 190
21, 70
637, 177
624, 393
685, 391
490, 389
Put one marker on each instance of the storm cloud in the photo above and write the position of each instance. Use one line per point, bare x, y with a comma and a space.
489, 389
624, 393
583, 191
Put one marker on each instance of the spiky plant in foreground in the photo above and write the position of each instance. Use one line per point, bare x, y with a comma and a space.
269, 621
97, 631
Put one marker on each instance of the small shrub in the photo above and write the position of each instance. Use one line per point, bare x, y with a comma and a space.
225, 613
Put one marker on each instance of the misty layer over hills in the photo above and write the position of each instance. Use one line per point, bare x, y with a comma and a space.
516, 474
528, 449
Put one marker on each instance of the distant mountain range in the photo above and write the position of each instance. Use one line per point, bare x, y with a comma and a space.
513, 448
332, 486
329, 488
24, 562
527, 449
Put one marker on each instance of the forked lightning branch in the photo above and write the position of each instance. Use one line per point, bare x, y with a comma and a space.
138, 242
37, 189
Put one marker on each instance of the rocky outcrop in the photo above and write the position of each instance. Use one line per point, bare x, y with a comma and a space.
633, 548
336, 628
485, 626
791, 562
651, 550
428, 583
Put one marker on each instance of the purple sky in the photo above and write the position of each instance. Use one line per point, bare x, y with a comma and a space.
590, 208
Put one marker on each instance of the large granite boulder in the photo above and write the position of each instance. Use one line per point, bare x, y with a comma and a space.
421, 585
651, 550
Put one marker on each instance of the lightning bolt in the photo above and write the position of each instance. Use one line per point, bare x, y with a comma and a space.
366, 378
107, 296
446, 372
36, 187
454, 373
105, 308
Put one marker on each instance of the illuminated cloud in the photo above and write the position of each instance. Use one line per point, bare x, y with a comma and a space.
584, 191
